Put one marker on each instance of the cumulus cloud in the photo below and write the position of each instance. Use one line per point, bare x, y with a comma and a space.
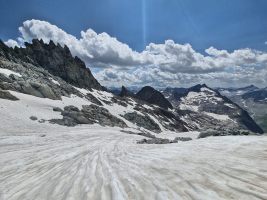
100, 50
167, 64
12, 43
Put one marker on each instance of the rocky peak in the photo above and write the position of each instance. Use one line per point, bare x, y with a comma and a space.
57, 60
197, 88
150, 95
125, 92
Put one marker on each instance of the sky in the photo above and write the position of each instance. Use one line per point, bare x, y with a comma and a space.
161, 43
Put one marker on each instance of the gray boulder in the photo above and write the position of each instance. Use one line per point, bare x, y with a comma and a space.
6, 95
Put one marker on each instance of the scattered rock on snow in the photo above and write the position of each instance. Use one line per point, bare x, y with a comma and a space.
33, 118
7, 95
57, 109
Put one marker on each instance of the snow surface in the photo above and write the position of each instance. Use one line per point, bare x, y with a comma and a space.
8, 72
93, 162
15, 115
54, 81
48, 161
217, 116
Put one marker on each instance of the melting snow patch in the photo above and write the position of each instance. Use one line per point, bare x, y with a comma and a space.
229, 105
82, 90
54, 81
8, 72
218, 117
204, 89
188, 107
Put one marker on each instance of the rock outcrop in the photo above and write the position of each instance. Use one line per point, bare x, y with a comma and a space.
56, 59
142, 121
89, 114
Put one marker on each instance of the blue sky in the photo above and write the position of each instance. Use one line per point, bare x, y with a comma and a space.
226, 24
151, 42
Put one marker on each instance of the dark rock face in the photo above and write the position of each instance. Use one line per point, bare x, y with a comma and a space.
56, 59
142, 121
249, 122
153, 96
6, 95
126, 93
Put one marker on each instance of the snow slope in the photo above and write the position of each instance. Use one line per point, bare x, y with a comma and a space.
92, 162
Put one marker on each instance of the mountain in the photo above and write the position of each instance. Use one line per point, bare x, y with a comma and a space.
253, 100
71, 96
201, 107
153, 96
237, 91
259, 95
174, 93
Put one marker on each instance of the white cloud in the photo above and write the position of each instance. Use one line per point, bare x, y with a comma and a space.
100, 50
158, 64
12, 43
265, 42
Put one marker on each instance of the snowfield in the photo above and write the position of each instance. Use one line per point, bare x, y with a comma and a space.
92, 162
41, 161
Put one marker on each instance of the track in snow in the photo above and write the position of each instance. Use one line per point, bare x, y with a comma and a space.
103, 163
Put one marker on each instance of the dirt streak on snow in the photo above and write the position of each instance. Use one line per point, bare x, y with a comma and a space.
93, 162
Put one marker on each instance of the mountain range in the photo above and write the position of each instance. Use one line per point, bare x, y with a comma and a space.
50, 71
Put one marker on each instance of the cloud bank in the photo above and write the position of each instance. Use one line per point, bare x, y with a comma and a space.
168, 64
